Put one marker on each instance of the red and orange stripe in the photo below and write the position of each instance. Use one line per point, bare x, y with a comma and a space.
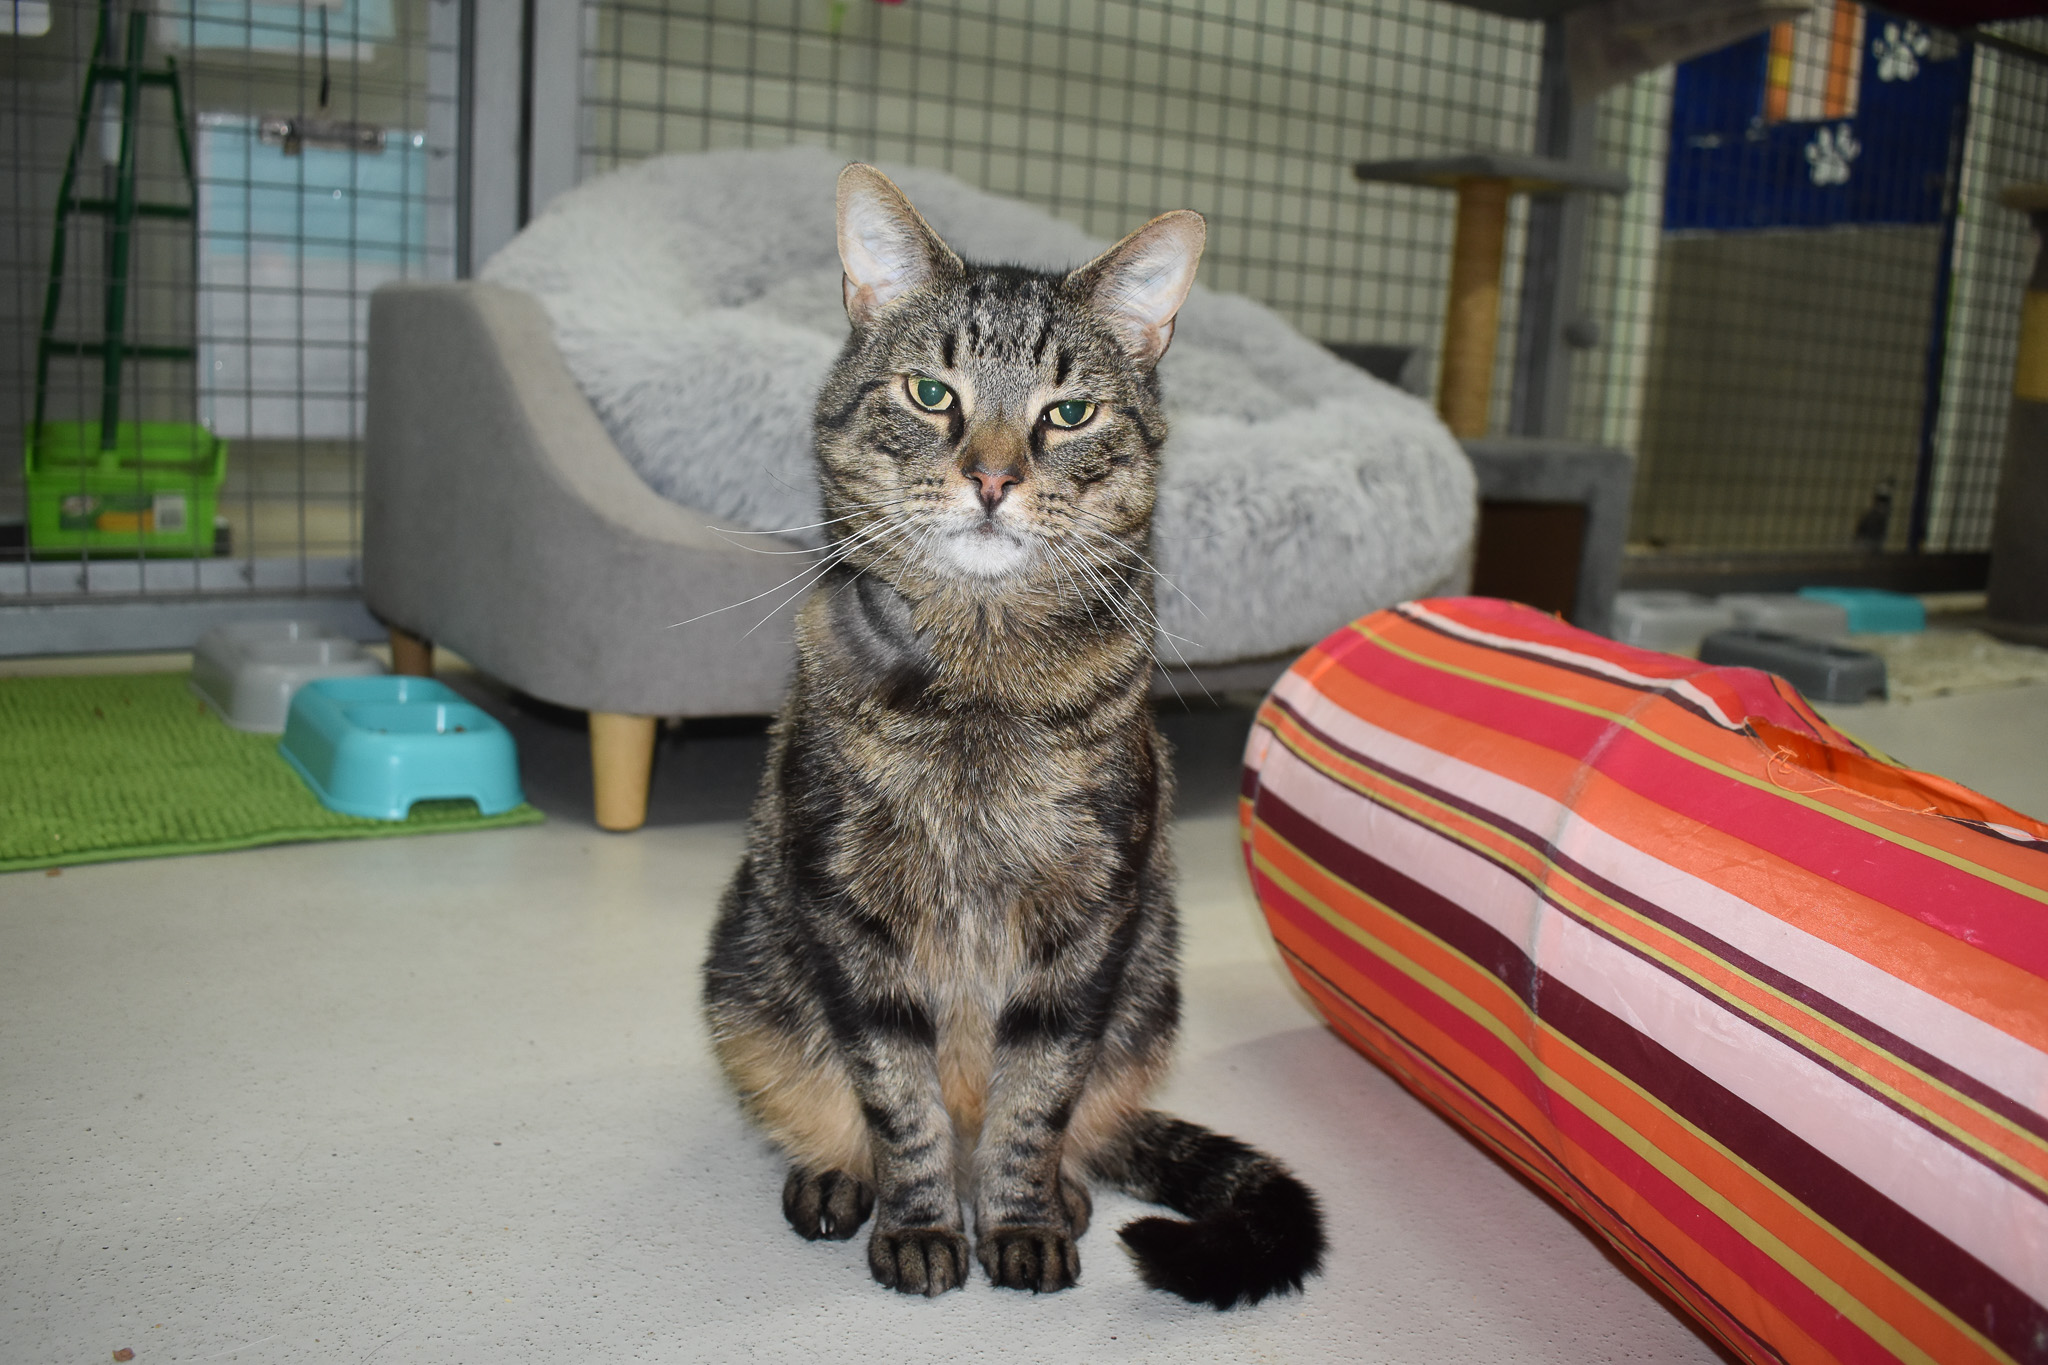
1510, 862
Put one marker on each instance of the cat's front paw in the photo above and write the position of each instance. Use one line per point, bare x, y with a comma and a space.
926, 1261
1041, 1259
831, 1204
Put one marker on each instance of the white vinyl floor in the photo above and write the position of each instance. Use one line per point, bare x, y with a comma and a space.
447, 1099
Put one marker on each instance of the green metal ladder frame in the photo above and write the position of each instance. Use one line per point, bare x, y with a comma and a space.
114, 350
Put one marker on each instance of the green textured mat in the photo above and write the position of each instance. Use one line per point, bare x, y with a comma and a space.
135, 766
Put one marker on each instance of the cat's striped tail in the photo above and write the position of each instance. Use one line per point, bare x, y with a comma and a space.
1252, 1229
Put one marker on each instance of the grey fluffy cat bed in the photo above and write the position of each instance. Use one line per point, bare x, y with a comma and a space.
696, 301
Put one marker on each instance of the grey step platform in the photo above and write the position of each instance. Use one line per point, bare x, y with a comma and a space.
1525, 469
1820, 669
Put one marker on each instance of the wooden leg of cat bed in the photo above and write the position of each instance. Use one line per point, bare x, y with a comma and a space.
621, 756
410, 655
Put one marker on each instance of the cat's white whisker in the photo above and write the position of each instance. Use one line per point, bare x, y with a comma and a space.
1149, 566
868, 537
1190, 671
807, 571
812, 526
733, 605
1089, 524
1127, 607
1138, 598
1058, 562
807, 549
923, 539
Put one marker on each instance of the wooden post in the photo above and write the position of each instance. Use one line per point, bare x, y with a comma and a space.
1485, 181
621, 757
410, 655
1472, 319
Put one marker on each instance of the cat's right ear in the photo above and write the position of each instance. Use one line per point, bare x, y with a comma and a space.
1139, 284
885, 247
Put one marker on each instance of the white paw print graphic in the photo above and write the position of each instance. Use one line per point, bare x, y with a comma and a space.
1829, 154
1899, 51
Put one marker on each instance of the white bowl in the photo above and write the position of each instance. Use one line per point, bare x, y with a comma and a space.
248, 671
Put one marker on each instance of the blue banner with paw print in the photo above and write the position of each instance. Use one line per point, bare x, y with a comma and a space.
1850, 115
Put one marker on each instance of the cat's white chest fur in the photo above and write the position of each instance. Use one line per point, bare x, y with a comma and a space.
987, 550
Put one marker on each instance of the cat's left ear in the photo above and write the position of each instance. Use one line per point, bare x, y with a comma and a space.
885, 246
1139, 284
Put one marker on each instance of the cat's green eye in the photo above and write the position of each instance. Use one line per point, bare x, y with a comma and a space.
930, 394
1071, 413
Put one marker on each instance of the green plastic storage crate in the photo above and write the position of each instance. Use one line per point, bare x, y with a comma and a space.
154, 492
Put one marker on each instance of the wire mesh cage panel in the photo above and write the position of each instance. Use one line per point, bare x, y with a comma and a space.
1824, 321
1250, 111
201, 195
1799, 317
2007, 145
1631, 130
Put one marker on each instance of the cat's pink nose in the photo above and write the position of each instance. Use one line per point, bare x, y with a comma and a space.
993, 485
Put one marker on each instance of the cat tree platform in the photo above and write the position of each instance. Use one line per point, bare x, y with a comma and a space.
1484, 182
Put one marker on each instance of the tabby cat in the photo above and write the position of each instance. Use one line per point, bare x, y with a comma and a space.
946, 968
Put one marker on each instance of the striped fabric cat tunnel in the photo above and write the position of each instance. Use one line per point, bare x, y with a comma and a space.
1764, 1010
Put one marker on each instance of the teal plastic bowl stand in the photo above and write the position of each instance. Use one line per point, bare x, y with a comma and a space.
1873, 611
374, 746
